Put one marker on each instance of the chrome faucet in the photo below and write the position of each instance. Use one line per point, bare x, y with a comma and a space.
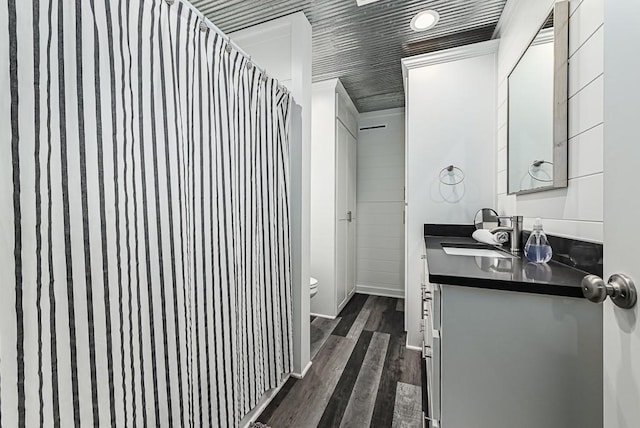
515, 231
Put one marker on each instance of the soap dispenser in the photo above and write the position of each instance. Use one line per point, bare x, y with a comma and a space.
537, 248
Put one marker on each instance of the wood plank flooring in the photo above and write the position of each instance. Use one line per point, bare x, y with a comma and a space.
362, 374
321, 328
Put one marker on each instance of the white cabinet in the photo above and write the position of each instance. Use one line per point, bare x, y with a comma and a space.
333, 197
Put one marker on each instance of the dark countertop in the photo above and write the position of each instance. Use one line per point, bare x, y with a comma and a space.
512, 274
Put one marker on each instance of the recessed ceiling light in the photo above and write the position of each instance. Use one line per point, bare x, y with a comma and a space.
425, 20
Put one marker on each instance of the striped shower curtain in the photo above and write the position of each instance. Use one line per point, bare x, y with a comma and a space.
144, 223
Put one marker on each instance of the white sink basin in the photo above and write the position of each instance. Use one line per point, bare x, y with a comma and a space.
476, 252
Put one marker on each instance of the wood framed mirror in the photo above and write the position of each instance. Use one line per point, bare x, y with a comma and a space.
537, 148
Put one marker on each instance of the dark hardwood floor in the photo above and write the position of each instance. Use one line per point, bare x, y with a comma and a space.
362, 374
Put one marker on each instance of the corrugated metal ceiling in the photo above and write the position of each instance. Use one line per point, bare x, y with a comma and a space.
363, 45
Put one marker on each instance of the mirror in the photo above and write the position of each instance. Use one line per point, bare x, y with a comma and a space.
537, 109
486, 218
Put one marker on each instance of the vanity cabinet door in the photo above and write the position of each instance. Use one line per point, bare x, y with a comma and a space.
427, 358
427, 404
431, 355
435, 301
432, 381
434, 398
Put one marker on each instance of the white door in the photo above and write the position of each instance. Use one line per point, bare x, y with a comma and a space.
345, 214
351, 198
342, 212
621, 209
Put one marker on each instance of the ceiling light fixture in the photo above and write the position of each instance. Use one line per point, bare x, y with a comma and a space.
425, 20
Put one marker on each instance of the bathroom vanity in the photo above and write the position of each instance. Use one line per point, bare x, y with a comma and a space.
507, 343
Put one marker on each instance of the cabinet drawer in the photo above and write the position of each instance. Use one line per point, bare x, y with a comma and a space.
427, 337
427, 301
436, 306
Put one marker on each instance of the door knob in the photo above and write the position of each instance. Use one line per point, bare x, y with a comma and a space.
620, 288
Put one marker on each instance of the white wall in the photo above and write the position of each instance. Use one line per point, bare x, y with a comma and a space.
283, 47
450, 120
576, 211
380, 225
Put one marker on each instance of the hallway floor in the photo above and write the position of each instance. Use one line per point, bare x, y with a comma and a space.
362, 374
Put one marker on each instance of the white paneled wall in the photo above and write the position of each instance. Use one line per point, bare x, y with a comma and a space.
576, 211
380, 233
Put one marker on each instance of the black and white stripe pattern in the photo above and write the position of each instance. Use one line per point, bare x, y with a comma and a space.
144, 239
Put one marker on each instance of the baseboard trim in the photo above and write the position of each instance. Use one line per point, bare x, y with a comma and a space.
379, 291
329, 317
304, 372
266, 399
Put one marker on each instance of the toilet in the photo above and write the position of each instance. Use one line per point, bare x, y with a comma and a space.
313, 286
